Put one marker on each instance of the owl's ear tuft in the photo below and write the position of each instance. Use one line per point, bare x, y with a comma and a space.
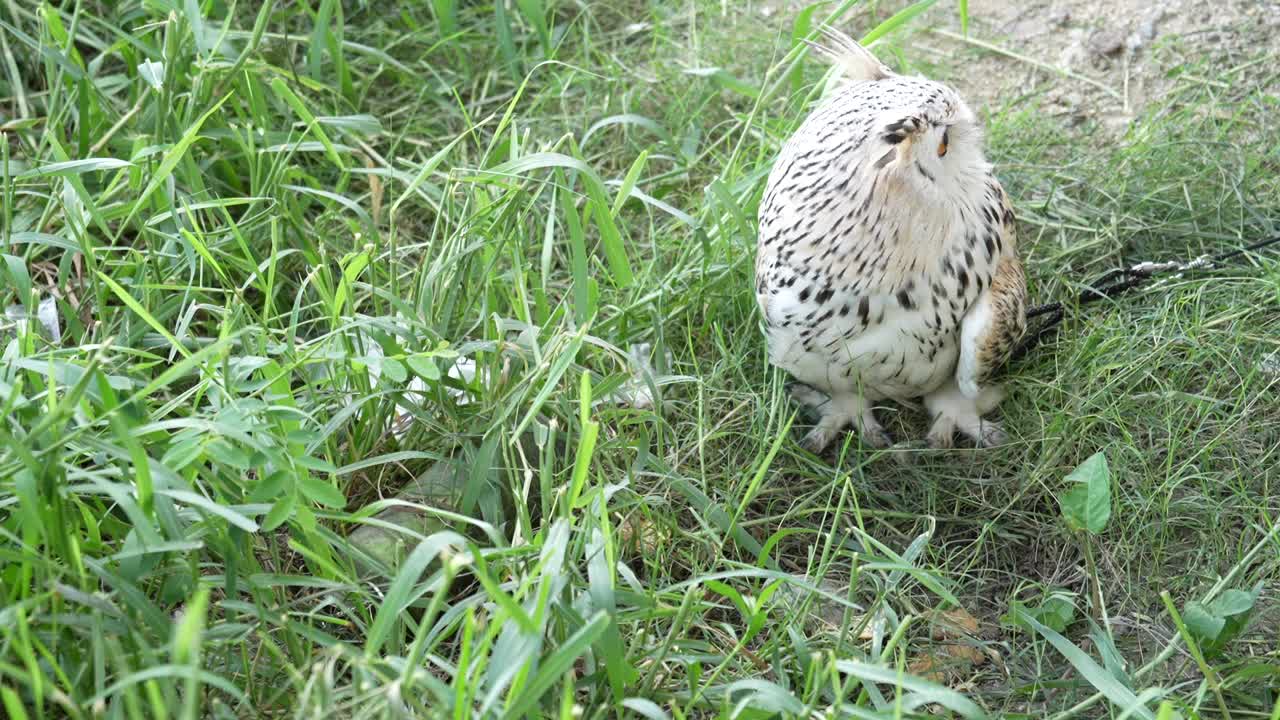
854, 61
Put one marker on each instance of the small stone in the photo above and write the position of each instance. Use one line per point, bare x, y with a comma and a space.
1270, 365
439, 487
1106, 43
1059, 16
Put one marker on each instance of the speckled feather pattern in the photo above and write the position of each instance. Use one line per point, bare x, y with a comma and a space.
887, 262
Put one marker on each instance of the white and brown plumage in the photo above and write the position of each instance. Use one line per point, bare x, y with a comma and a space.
887, 265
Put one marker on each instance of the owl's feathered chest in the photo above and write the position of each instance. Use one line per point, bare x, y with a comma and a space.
865, 272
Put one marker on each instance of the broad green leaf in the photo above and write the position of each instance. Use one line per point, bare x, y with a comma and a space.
424, 365
279, 513
629, 182
506, 45
1235, 602
1055, 611
1203, 624
314, 463
394, 369
801, 28
1215, 625
228, 454
321, 492
1087, 505
535, 13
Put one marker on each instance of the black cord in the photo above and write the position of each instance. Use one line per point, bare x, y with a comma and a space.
1117, 282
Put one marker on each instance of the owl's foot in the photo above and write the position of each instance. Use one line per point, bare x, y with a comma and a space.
942, 436
985, 433
809, 398
835, 413
816, 440
991, 434
953, 412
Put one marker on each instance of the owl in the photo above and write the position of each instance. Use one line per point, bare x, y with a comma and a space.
887, 265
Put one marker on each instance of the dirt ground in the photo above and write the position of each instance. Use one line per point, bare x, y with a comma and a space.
1126, 45
1093, 60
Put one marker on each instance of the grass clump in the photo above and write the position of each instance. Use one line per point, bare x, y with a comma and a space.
270, 265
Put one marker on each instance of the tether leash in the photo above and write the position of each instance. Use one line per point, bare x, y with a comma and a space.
1117, 282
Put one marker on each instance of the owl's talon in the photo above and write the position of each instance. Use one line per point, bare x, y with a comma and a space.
941, 440
991, 435
876, 437
836, 413
816, 441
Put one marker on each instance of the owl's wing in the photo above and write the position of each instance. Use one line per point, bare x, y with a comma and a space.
995, 323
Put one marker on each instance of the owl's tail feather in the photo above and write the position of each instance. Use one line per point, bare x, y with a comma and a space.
855, 62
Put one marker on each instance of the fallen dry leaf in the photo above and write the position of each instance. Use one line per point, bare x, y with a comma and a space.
956, 653
638, 535
955, 623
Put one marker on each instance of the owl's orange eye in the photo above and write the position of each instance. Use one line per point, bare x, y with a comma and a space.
942, 146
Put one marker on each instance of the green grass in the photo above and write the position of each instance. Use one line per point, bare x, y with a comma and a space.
271, 233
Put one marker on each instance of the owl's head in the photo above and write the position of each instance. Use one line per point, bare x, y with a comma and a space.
931, 136
927, 133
